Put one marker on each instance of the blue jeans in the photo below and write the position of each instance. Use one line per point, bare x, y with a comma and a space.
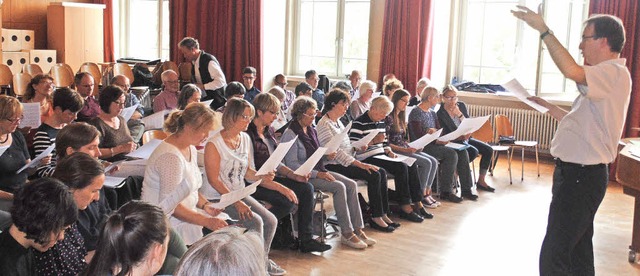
577, 190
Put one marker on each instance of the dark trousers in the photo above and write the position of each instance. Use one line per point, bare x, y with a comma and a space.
376, 186
405, 178
482, 148
577, 190
282, 206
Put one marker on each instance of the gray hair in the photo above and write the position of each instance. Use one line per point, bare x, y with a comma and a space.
382, 104
301, 105
428, 92
189, 43
343, 85
278, 92
228, 251
366, 85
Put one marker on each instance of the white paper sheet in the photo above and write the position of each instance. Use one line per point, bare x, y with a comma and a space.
36, 160
366, 139
233, 196
3, 149
407, 111
515, 87
155, 120
112, 166
146, 150
375, 95
311, 162
425, 140
113, 182
399, 158
128, 112
31, 113
207, 103
276, 157
467, 126
336, 140
456, 146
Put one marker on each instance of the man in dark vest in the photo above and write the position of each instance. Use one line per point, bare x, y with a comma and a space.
206, 72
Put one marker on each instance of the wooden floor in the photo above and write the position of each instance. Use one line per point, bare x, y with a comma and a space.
500, 234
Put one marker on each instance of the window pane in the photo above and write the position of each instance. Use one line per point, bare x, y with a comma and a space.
165, 30
143, 17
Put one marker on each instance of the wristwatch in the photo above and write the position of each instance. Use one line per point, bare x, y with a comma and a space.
548, 32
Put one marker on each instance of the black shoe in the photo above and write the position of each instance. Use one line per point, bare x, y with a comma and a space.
411, 216
387, 229
469, 195
313, 246
486, 188
451, 197
422, 212
395, 225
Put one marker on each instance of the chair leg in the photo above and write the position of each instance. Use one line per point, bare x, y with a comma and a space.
537, 161
522, 164
473, 166
509, 156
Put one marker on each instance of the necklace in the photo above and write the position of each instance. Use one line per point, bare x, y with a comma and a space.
5, 139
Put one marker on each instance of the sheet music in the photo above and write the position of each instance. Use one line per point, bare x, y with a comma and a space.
155, 120
3, 149
233, 196
308, 165
365, 140
515, 87
276, 157
31, 113
128, 112
36, 160
146, 150
408, 110
456, 146
399, 158
467, 126
336, 140
113, 182
425, 140
207, 103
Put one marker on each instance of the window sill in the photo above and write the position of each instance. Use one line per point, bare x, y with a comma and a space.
506, 100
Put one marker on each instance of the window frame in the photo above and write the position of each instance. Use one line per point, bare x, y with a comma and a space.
123, 17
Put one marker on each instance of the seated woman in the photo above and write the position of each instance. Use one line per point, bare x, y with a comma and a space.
41, 212
397, 132
233, 89
423, 120
16, 155
288, 189
281, 117
227, 156
406, 180
133, 241
363, 102
172, 177
39, 90
344, 190
390, 86
190, 93
115, 139
84, 176
335, 105
228, 251
450, 115
66, 105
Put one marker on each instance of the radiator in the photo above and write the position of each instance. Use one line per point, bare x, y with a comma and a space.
529, 125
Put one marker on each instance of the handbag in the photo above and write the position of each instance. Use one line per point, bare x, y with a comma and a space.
509, 140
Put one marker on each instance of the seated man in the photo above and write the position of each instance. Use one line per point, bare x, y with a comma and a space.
248, 80
41, 212
84, 83
311, 77
135, 125
168, 98
355, 79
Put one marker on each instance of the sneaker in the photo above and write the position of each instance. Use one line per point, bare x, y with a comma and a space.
437, 203
358, 244
429, 202
367, 240
312, 245
274, 269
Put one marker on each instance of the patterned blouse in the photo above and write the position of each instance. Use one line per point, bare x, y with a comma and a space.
64, 258
398, 138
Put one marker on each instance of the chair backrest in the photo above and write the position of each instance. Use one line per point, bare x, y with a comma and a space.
32, 69
5, 75
153, 134
503, 125
485, 133
123, 69
160, 68
184, 70
62, 75
94, 70
20, 83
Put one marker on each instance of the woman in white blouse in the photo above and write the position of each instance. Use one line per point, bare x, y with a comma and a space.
172, 177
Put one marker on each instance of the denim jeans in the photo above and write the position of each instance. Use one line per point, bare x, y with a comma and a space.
577, 190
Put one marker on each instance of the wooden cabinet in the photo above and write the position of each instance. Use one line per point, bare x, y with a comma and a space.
75, 31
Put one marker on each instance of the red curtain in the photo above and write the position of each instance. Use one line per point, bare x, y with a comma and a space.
228, 29
107, 29
628, 11
407, 41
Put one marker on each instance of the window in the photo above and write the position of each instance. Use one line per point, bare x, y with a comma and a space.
495, 46
332, 36
142, 28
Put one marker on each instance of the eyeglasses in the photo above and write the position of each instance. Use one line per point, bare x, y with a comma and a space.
16, 120
451, 98
246, 118
119, 103
248, 78
274, 112
173, 82
311, 115
591, 36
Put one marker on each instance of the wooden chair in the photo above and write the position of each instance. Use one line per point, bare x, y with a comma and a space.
62, 75
485, 134
184, 71
94, 70
123, 69
6, 77
32, 69
20, 83
504, 128
153, 134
